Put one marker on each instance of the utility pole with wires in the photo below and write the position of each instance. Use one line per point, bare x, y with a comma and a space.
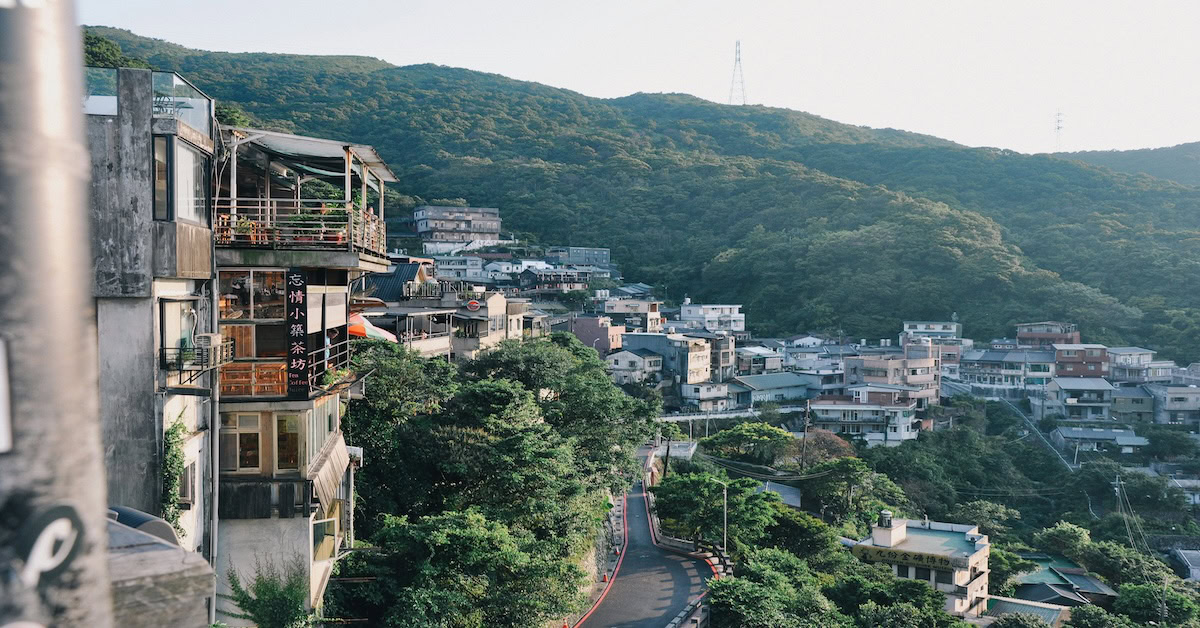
1058, 127
737, 85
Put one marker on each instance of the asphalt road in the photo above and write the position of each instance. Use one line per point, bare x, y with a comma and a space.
652, 585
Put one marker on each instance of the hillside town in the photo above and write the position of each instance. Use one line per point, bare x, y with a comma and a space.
254, 291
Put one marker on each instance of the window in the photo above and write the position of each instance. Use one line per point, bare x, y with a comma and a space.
162, 198
944, 577
922, 573
287, 442
901, 571
270, 340
269, 293
235, 294
1091, 367
178, 323
187, 485
191, 184
239, 442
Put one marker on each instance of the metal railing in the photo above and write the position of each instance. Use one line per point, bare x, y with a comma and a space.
326, 533
196, 358
282, 225
326, 365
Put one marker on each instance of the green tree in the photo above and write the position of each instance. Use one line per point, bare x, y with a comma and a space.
1143, 604
233, 115
754, 442
802, 535
989, 516
1092, 616
692, 504
101, 52
1019, 620
277, 595
1005, 566
773, 588
461, 569
1063, 538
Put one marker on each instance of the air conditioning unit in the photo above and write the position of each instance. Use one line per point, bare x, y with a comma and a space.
207, 341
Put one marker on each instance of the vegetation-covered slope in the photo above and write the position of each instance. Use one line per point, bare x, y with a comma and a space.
810, 223
1179, 163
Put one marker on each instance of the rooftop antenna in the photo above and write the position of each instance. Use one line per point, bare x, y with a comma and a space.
738, 83
1058, 127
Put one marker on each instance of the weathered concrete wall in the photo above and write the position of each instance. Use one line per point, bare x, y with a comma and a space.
129, 422
122, 192
247, 543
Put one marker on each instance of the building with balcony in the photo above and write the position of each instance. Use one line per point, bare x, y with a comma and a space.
443, 228
944, 336
722, 347
597, 332
151, 141
459, 267
1176, 404
1046, 333
951, 558
757, 360
715, 317
879, 414
1135, 365
922, 374
640, 366
636, 314
1076, 399
579, 256
1077, 360
823, 380
553, 280
286, 263
1006, 373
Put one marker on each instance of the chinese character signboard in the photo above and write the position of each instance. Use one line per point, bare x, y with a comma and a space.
297, 338
894, 556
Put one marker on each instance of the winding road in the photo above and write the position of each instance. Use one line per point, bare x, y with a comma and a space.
651, 585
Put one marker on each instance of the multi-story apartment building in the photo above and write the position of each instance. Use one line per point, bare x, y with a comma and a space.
1176, 404
758, 360
152, 145
285, 267
686, 360
714, 317
1046, 333
1007, 373
944, 336
722, 347
1077, 360
826, 380
457, 225
705, 396
1135, 365
1076, 399
579, 256
951, 558
930, 329
459, 267
636, 314
923, 374
877, 413
597, 332
553, 280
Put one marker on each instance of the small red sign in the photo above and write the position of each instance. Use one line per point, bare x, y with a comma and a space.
473, 306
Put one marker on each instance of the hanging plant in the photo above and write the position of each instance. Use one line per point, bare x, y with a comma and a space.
172, 471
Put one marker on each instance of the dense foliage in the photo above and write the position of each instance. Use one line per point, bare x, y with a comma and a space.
1178, 163
487, 484
810, 223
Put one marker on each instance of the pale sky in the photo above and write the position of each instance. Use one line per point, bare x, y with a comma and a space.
1124, 74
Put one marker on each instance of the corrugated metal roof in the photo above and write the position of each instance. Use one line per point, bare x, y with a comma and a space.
998, 607
390, 286
771, 380
1082, 383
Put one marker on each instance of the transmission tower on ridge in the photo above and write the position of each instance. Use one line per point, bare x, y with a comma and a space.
738, 84
1058, 127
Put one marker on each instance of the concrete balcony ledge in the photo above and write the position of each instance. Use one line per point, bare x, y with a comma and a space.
155, 583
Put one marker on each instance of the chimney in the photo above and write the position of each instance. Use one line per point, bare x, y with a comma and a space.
888, 532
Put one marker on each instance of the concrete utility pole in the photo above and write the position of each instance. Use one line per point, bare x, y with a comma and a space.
53, 541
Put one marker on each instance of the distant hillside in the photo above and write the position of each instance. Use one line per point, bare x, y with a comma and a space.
1177, 163
810, 223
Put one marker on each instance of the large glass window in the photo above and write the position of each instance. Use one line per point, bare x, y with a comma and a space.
269, 292
162, 199
179, 323
239, 442
287, 442
270, 341
191, 184
235, 294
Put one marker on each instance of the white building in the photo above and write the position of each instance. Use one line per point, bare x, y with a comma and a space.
636, 314
714, 317
748, 390
706, 396
634, 366
452, 267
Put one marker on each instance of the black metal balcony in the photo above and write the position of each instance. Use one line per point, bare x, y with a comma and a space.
192, 362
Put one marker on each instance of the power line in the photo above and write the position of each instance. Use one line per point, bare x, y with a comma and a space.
1058, 127
738, 83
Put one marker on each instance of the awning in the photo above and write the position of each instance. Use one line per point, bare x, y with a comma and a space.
309, 149
362, 327
327, 471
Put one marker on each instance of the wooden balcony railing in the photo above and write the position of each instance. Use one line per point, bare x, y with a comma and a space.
256, 223
254, 379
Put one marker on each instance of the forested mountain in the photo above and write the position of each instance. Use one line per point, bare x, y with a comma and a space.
810, 223
1179, 163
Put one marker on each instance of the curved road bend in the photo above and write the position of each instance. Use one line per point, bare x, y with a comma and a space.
652, 585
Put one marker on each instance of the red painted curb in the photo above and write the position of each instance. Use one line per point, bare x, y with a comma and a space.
624, 544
